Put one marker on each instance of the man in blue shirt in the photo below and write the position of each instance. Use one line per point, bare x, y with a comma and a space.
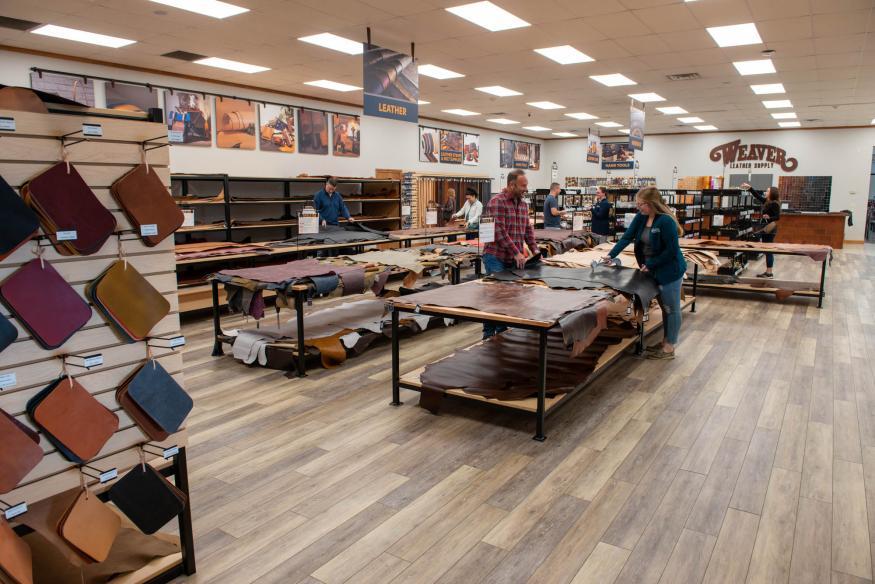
552, 214
329, 204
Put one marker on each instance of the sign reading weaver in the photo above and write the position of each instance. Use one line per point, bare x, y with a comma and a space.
738, 155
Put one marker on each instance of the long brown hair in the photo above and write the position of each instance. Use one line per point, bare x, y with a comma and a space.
772, 194
651, 195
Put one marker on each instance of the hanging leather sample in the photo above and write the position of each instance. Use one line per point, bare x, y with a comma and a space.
18, 224
128, 301
90, 526
16, 563
155, 401
147, 498
8, 333
20, 452
147, 202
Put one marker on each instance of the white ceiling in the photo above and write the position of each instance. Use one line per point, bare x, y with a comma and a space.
825, 53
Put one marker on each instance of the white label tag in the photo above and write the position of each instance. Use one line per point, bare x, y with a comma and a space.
577, 222
308, 225
92, 130
8, 380
66, 235
171, 452
7, 124
406, 210
431, 217
188, 217
92, 361
15, 511
486, 232
717, 221
150, 229
109, 475
177, 342
175, 136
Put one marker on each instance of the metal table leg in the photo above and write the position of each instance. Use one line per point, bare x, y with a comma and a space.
186, 532
822, 284
299, 317
542, 386
695, 285
217, 326
396, 361
478, 268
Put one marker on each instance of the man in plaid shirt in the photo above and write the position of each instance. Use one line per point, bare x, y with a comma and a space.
512, 230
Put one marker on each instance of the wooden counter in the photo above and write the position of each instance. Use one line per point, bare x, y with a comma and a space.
820, 228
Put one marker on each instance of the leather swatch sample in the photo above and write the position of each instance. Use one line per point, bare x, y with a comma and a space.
90, 526
45, 516
128, 301
72, 419
45, 303
18, 224
147, 498
64, 202
8, 333
22, 100
19, 452
157, 395
16, 563
146, 201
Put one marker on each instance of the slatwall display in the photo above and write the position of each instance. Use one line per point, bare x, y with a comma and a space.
806, 193
31, 148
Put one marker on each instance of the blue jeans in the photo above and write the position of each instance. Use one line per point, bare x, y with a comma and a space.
491, 265
670, 302
769, 238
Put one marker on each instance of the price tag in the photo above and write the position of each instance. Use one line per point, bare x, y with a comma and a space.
8, 380
108, 475
486, 231
15, 511
149, 229
92, 130
431, 217
7, 124
717, 220
177, 342
175, 136
188, 217
577, 222
406, 210
66, 235
92, 361
308, 225
171, 452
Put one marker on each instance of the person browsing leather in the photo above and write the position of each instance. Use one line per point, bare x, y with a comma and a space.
771, 213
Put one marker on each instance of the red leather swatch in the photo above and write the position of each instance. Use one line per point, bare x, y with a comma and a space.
19, 452
146, 201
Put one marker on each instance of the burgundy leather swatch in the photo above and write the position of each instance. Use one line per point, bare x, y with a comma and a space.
146, 201
19, 452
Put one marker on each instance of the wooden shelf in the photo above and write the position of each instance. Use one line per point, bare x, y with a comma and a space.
278, 224
197, 228
184, 203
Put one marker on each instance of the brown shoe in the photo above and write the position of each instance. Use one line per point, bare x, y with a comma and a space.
660, 354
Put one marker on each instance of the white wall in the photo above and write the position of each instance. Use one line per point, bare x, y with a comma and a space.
385, 143
846, 155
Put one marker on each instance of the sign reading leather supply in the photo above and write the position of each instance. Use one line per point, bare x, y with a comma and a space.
391, 83
752, 156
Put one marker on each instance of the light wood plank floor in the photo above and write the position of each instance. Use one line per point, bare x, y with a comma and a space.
749, 458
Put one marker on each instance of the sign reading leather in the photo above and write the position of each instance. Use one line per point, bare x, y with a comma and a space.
738, 155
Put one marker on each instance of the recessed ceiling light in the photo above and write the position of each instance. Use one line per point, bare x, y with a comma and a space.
608, 124
735, 35
213, 8
81, 36
759, 67
613, 80
777, 103
565, 134
543, 129
672, 111
422, 102
502, 121
231, 65
646, 97
784, 115
623, 130
692, 120
335, 43
793, 124
460, 112
547, 105
768, 88
437, 72
582, 116
333, 85
488, 15
706, 128
498, 90
565, 55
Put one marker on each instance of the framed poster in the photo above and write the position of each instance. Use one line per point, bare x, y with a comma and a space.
188, 118
347, 135
617, 155
451, 147
277, 132
593, 148
472, 150
76, 89
535, 156
391, 81
505, 154
312, 132
235, 124
429, 144
521, 154
130, 98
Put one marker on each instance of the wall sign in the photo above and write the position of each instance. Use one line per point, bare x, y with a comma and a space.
636, 127
391, 82
617, 155
752, 156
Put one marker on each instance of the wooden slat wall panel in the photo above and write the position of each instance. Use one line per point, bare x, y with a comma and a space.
100, 161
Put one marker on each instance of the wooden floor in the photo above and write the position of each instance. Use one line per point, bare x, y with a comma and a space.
749, 458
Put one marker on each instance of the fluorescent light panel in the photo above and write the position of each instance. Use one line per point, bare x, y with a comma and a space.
565, 134
768, 88
332, 85
543, 129
609, 124
623, 130
777, 103
646, 97
498, 90
460, 112
422, 102
672, 111
213, 8
81, 36
502, 121
335, 43
706, 128
735, 35
784, 115
692, 120
758, 67
792, 124
437, 72
545, 105
612, 80
488, 15
565, 55
582, 116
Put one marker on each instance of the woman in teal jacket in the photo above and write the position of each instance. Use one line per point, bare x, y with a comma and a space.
655, 232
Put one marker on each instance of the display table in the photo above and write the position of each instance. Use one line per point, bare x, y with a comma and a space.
822, 228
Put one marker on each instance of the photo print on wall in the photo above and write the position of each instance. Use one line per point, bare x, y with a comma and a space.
277, 128
472, 150
451, 147
617, 155
130, 98
505, 157
347, 135
521, 154
535, 157
429, 142
235, 124
312, 132
67, 86
188, 118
